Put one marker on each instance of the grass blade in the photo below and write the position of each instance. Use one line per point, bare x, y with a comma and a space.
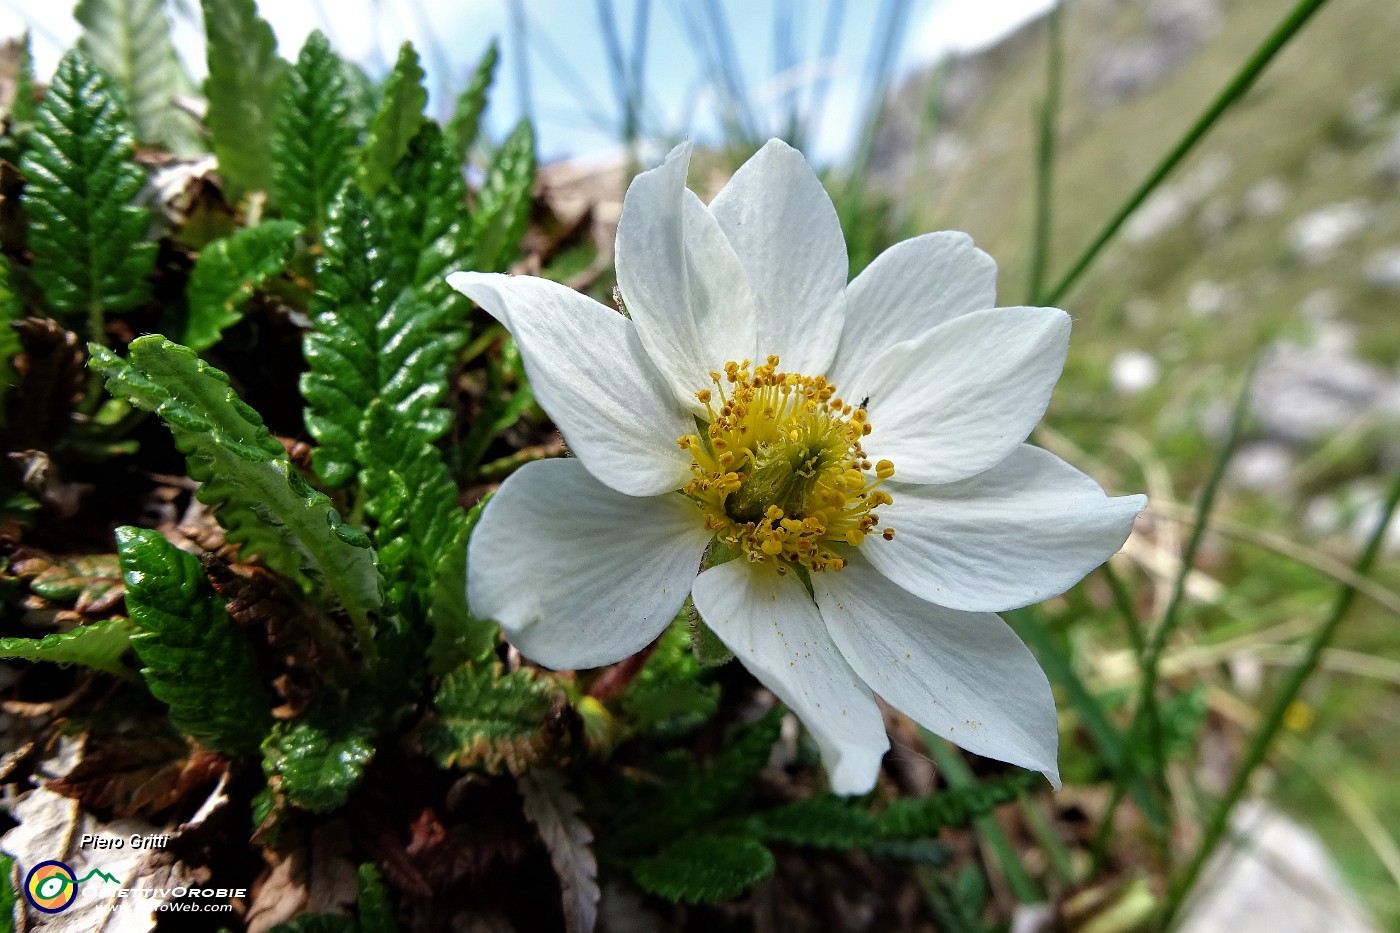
1237, 87
1045, 150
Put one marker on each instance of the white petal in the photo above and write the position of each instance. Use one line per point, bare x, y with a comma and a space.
776, 631
959, 398
910, 288
681, 281
1025, 530
589, 372
785, 230
579, 575
964, 676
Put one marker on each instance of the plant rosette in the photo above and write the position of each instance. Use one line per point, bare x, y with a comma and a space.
835, 472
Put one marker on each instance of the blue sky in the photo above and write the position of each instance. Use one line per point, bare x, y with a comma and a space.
566, 72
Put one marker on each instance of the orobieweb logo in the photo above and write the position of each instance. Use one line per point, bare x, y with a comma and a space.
52, 886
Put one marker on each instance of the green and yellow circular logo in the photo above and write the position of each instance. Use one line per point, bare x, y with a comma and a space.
51, 886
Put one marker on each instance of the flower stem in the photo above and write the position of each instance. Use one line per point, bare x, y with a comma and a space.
1259, 745
1047, 124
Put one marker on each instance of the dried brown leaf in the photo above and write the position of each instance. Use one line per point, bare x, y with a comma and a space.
558, 815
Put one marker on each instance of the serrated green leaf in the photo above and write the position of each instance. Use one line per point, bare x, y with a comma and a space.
243, 88
490, 720
667, 698
503, 203
458, 635
264, 504
227, 273
129, 41
425, 217
373, 340
89, 257
396, 123
912, 817
311, 151
318, 761
465, 124
822, 822
376, 913
11, 309
705, 869
88, 580
8, 898
98, 646
690, 802
197, 661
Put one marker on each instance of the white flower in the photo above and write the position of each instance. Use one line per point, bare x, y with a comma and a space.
710, 415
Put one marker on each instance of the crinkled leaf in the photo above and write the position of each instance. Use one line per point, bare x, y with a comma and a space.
263, 502
92, 582
11, 309
822, 822
911, 817
373, 340
89, 254
99, 646
316, 762
243, 87
667, 698
425, 216
458, 636
227, 272
129, 41
396, 123
465, 123
490, 720
558, 815
705, 869
503, 203
376, 913
702, 796
311, 151
197, 661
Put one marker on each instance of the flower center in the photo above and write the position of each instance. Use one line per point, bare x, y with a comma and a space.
779, 470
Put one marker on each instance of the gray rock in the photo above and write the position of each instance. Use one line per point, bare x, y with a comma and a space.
1261, 466
1275, 877
1318, 235
1175, 30
1266, 197
1300, 394
1383, 270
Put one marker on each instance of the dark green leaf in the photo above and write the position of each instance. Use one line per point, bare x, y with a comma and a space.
490, 720
705, 869
7, 894
311, 152
243, 87
11, 309
667, 697
503, 203
911, 817
227, 273
373, 340
92, 582
99, 646
462, 129
425, 218
396, 123
376, 913
823, 822
129, 41
263, 502
197, 661
89, 257
701, 797
458, 636
316, 762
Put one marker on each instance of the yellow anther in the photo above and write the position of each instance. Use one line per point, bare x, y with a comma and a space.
884, 469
